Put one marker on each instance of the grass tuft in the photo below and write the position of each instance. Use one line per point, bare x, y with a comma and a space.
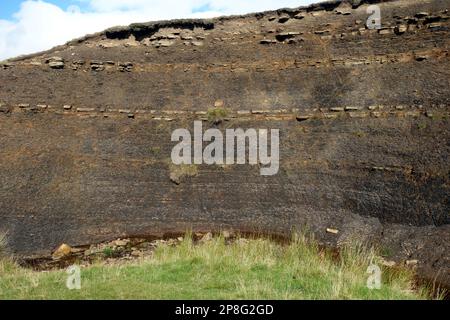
217, 115
178, 173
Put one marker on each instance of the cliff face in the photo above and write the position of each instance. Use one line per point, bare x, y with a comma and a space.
85, 130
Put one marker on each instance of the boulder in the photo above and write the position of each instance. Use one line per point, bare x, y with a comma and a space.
63, 251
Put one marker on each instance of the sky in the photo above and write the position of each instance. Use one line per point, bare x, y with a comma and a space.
28, 26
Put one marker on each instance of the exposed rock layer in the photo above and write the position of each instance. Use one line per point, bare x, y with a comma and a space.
85, 130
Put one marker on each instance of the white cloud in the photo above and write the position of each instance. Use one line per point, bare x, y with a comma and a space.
40, 25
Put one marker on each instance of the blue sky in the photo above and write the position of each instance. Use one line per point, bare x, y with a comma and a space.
9, 7
28, 26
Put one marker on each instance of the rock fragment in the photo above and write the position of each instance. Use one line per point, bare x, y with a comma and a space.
97, 65
83, 109
286, 35
55, 62
400, 29
77, 64
207, 237
125, 66
422, 14
388, 263
227, 234
164, 43
412, 262
267, 41
421, 56
284, 19
301, 118
300, 16
351, 108
63, 251
219, 103
121, 243
344, 12
384, 31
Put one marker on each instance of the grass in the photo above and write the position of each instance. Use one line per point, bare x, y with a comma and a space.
109, 252
180, 172
244, 269
422, 126
217, 115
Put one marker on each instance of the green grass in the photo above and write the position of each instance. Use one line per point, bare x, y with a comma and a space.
109, 252
422, 126
245, 269
217, 115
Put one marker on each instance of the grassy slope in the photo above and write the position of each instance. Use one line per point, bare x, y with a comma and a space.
246, 269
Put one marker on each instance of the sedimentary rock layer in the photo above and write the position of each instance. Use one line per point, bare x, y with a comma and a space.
85, 130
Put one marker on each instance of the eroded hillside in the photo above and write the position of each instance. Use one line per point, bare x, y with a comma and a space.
363, 116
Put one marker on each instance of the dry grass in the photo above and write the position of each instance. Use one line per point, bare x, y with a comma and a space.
180, 172
3, 244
